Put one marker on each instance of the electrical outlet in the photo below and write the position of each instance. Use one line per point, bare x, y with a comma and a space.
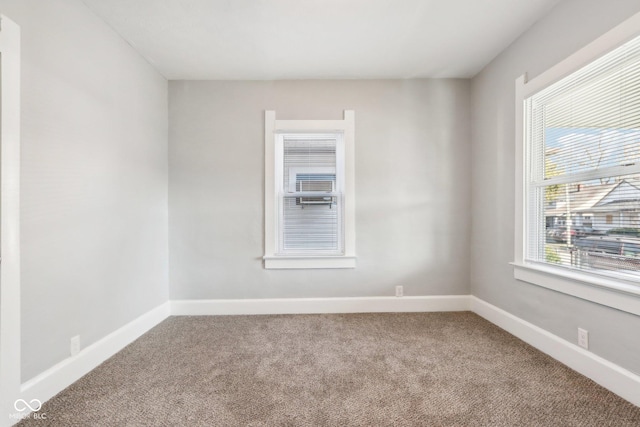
399, 291
583, 338
75, 345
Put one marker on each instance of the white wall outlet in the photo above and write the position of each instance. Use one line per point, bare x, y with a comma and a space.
583, 338
75, 345
399, 291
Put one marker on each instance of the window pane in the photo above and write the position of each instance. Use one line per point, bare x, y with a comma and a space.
590, 120
310, 200
303, 158
311, 226
593, 225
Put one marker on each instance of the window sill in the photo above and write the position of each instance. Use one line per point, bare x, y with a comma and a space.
292, 262
618, 294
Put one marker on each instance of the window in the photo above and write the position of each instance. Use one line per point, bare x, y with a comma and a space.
583, 148
578, 173
309, 193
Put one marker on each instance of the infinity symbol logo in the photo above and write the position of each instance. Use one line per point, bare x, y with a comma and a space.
22, 405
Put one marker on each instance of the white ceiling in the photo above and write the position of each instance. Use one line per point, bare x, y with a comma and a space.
324, 39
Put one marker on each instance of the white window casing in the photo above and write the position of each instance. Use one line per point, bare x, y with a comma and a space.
309, 193
578, 173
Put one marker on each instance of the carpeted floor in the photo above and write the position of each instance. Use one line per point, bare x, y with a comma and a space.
413, 369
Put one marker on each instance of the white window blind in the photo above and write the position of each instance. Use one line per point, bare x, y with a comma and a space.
583, 167
310, 195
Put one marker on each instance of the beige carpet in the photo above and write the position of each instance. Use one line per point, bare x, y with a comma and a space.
431, 369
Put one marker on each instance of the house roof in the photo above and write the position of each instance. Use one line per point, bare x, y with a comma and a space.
622, 195
580, 201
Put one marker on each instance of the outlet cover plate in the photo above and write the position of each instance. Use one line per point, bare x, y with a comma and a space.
583, 338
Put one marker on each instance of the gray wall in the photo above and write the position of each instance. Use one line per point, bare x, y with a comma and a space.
570, 26
94, 180
412, 187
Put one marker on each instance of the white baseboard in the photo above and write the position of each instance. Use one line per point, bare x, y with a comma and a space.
52, 381
320, 305
620, 381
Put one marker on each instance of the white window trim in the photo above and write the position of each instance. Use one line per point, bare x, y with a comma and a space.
271, 129
612, 292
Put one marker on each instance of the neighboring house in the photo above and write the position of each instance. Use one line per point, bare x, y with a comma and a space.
600, 206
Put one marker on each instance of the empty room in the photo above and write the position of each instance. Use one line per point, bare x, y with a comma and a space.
320, 213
